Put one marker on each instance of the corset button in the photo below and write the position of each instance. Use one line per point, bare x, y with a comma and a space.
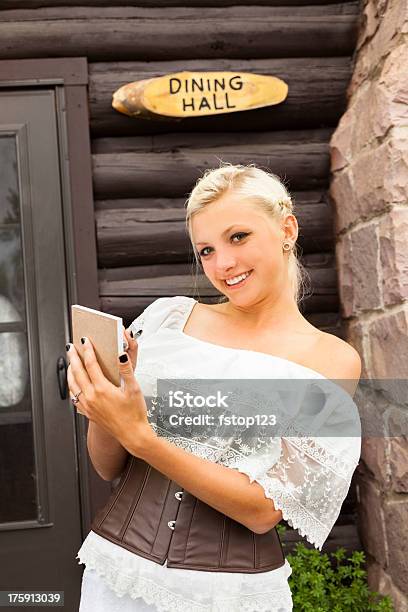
178, 495
171, 524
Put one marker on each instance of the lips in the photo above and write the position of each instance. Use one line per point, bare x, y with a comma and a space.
235, 275
248, 273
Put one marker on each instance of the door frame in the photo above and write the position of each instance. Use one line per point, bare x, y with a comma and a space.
69, 77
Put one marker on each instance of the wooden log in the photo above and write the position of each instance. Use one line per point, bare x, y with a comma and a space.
109, 278
140, 203
131, 295
123, 33
169, 167
130, 236
330, 322
159, 143
35, 4
323, 280
129, 308
316, 97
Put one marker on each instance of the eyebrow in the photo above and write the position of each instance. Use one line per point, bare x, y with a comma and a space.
223, 233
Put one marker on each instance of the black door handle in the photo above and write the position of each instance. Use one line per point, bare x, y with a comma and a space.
62, 377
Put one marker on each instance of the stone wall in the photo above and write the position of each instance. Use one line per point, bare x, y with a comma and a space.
369, 153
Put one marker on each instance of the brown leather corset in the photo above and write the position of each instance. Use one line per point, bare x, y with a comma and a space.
155, 518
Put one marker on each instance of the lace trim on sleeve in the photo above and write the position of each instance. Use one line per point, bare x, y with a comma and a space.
308, 484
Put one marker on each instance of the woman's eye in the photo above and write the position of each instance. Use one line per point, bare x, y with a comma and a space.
202, 254
239, 234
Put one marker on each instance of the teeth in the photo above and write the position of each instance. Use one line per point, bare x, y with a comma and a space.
236, 279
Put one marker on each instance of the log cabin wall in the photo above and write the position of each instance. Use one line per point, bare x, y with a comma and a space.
143, 170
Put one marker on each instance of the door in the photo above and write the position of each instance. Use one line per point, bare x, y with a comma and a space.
40, 519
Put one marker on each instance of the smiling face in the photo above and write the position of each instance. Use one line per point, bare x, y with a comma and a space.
233, 236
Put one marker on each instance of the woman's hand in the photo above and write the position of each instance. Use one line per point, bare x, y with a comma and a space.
131, 348
122, 413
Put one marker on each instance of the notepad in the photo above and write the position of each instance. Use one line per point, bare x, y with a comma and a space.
105, 331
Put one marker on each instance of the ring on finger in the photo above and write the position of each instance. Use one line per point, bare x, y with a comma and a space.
75, 399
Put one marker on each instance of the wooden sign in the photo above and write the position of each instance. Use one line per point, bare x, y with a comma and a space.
196, 94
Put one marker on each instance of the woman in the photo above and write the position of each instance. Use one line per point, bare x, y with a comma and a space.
243, 231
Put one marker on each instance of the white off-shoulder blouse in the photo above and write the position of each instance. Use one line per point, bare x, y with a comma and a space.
307, 476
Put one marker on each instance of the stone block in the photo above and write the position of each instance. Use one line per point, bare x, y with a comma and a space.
367, 107
393, 88
346, 207
375, 181
397, 425
341, 141
399, 464
345, 275
396, 521
374, 455
370, 20
358, 272
388, 341
355, 333
376, 106
397, 416
367, 287
380, 175
393, 232
370, 521
392, 22
373, 409
378, 580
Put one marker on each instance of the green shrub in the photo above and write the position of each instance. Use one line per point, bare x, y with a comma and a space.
336, 584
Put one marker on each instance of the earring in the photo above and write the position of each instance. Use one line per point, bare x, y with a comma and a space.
287, 246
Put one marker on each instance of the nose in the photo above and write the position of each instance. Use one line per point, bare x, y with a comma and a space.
225, 263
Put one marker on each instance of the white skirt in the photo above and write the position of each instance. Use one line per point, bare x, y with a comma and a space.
96, 596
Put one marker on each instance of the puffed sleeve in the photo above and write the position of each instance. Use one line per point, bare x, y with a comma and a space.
146, 321
156, 313
307, 471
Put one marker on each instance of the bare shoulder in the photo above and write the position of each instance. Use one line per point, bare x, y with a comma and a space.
339, 360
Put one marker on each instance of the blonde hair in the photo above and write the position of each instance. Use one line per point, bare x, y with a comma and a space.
262, 188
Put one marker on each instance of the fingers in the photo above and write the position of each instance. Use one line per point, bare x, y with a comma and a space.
126, 372
127, 339
72, 384
129, 342
74, 389
93, 369
79, 373
132, 348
